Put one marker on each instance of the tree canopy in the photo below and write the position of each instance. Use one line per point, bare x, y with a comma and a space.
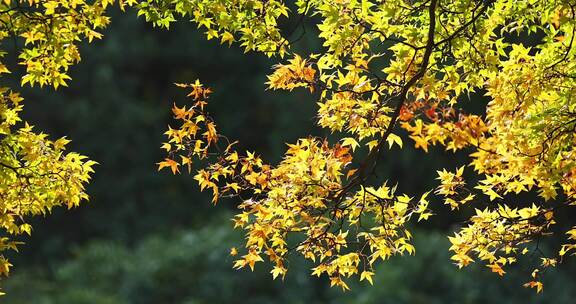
388, 71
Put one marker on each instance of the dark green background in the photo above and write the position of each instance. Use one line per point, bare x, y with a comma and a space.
150, 237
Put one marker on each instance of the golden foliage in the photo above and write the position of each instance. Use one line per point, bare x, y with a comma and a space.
413, 65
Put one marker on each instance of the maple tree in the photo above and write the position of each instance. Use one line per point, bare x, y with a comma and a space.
387, 68
36, 173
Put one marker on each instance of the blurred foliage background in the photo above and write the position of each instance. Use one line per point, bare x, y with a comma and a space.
150, 237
